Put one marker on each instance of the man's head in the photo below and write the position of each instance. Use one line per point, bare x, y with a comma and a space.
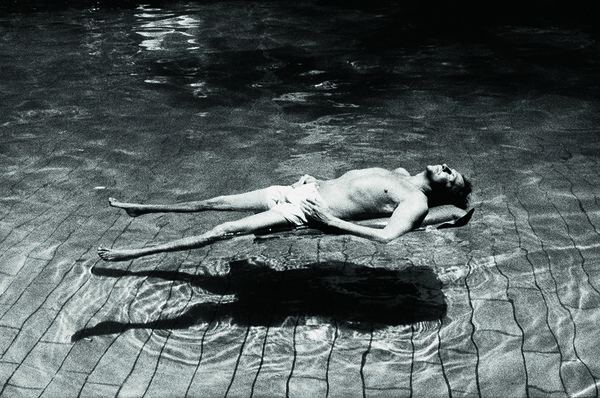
448, 186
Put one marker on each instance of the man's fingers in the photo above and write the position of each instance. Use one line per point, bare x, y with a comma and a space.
310, 203
315, 202
306, 206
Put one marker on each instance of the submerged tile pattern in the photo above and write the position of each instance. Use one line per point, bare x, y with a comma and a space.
502, 307
505, 306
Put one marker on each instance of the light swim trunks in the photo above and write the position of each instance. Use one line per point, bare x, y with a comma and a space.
285, 200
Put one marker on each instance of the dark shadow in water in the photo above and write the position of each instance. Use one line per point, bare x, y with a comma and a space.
347, 294
448, 14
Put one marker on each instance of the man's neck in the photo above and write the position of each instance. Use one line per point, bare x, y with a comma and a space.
421, 182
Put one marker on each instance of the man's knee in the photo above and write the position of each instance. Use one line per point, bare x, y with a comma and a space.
222, 230
230, 228
218, 201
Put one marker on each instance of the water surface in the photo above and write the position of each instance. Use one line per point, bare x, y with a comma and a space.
179, 100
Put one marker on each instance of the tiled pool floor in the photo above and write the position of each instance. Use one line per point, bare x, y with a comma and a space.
162, 105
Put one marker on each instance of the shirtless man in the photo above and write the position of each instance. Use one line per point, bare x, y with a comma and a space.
356, 195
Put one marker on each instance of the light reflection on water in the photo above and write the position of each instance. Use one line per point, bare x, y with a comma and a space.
195, 100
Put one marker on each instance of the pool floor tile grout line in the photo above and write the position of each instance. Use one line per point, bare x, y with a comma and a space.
557, 296
539, 288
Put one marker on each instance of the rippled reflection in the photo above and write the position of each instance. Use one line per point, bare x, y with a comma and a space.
186, 100
162, 31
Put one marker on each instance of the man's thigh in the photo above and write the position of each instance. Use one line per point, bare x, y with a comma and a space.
255, 222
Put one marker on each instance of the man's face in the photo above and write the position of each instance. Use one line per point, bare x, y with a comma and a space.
444, 176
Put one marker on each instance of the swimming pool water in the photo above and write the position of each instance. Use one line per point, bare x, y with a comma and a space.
173, 101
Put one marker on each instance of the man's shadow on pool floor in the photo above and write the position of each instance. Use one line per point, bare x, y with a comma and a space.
347, 294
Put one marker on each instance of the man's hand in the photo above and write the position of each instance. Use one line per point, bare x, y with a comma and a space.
305, 179
317, 211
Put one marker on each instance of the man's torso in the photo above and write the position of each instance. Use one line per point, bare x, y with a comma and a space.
368, 193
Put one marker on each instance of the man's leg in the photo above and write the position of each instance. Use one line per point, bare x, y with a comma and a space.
249, 201
267, 219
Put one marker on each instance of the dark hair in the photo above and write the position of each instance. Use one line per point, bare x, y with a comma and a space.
460, 196
457, 196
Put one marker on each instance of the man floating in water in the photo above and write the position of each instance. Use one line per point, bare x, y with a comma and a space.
408, 201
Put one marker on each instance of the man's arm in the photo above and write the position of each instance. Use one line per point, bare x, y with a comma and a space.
405, 218
436, 215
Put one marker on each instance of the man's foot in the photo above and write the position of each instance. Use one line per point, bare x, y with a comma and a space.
107, 254
132, 209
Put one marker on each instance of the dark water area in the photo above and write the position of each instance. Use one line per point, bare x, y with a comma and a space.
168, 101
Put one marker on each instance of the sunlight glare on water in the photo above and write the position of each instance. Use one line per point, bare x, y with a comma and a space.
175, 101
